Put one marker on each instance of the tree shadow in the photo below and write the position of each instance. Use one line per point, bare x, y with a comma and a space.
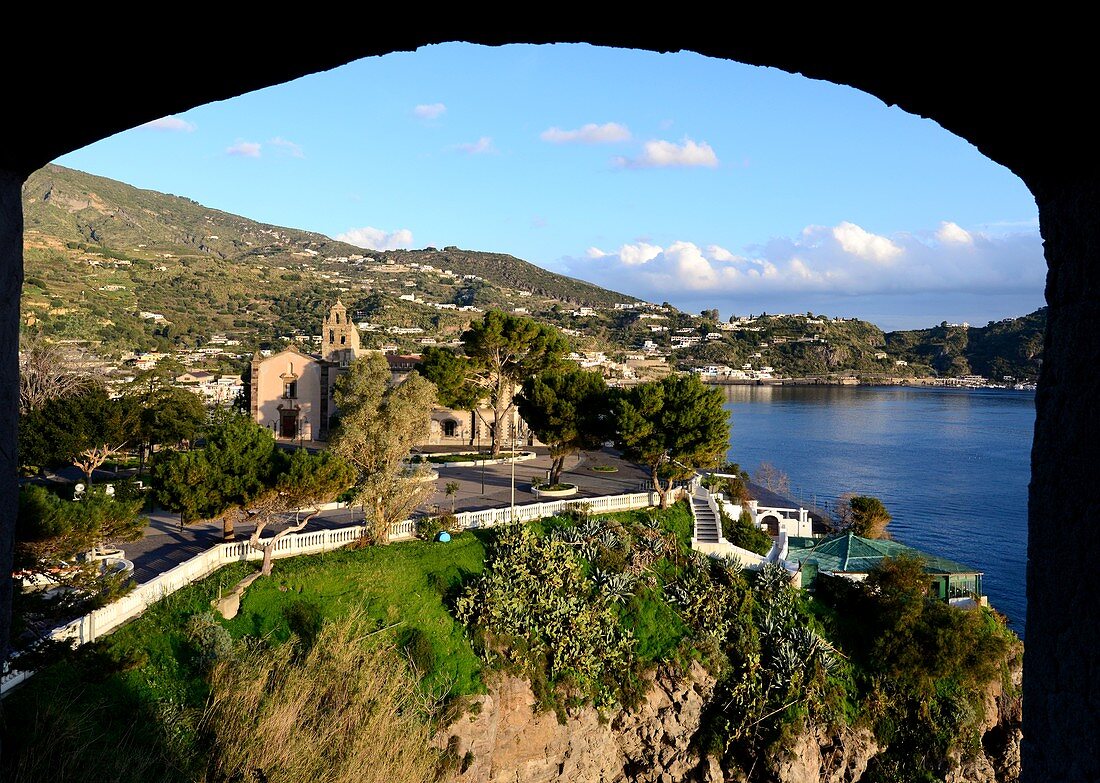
87, 719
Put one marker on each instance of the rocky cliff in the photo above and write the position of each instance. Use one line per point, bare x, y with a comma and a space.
502, 738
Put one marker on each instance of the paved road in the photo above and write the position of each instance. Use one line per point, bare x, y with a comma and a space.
497, 484
164, 545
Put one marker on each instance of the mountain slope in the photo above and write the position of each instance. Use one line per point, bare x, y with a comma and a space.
1012, 347
127, 268
99, 252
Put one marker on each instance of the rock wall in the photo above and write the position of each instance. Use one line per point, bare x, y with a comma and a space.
510, 742
816, 755
999, 760
11, 285
502, 738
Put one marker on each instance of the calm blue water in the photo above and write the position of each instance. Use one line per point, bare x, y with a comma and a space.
951, 465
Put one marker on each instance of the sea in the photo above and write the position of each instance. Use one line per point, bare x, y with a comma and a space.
951, 465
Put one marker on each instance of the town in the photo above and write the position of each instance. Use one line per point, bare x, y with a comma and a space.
228, 429
606, 493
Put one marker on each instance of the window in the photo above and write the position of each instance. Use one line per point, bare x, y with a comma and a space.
343, 339
450, 428
290, 390
332, 335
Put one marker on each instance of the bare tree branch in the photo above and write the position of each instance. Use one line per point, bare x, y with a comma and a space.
48, 371
265, 515
91, 459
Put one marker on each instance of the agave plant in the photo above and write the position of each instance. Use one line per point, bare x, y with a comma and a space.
772, 582
787, 665
609, 539
591, 529
771, 626
808, 643
828, 660
616, 587
732, 564
652, 544
563, 536
699, 560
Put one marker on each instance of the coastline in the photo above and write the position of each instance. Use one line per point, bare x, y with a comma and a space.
852, 380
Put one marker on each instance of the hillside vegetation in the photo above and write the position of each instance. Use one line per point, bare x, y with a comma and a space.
583, 608
99, 252
1012, 347
105, 259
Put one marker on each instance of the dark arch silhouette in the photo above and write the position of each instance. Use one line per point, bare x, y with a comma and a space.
1018, 89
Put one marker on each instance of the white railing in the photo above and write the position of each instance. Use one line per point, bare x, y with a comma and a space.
750, 560
713, 503
102, 621
779, 549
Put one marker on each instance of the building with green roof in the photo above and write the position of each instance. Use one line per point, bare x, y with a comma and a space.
852, 557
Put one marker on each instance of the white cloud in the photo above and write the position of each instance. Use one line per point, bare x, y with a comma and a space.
953, 232
376, 239
287, 147
638, 253
842, 260
171, 123
863, 244
244, 149
482, 146
429, 111
658, 153
719, 253
608, 133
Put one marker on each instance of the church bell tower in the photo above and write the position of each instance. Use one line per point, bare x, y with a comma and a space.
339, 336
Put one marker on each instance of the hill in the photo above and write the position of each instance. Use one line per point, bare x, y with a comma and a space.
1012, 347
99, 253
130, 269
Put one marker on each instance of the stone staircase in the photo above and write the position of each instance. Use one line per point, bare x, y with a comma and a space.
708, 527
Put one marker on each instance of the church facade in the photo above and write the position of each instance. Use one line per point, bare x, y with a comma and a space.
291, 391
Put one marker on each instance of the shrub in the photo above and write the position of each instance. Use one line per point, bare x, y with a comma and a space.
344, 712
863, 515
429, 528
209, 639
548, 619
928, 665
744, 533
417, 647
304, 618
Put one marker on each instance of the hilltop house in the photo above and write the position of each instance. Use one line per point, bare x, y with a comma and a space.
291, 391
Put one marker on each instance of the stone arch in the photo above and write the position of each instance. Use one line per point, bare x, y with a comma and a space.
1017, 93
772, 521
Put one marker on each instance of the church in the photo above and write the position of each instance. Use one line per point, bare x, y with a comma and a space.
291, 392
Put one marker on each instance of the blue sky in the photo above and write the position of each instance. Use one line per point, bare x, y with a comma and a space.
671, 177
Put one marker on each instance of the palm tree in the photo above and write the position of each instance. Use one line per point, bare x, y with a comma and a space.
450, 490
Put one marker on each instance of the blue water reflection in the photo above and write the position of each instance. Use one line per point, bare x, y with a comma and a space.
951, 465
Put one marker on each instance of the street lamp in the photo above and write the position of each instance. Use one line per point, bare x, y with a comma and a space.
513, 470
480, 456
